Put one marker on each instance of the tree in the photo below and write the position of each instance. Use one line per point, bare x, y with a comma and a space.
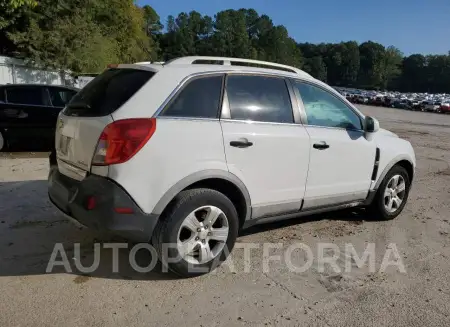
81, 35
231, 37
371, 65
413, 77
391, 66
12, 9
86, 35
316, 67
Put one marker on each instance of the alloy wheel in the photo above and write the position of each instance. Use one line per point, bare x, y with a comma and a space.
202, 235
394, 193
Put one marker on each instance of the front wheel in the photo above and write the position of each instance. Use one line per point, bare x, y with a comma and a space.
392, 194
197, 232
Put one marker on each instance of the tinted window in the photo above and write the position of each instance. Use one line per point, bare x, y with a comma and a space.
107, 92
324, 109
2, 95
199, 98
25, 95
60, 97
259, 98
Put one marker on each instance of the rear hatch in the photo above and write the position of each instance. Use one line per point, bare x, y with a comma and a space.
83, 120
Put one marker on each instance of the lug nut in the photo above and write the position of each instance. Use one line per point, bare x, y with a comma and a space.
203, 241
206, 226
209, 234
199, 230
197, 238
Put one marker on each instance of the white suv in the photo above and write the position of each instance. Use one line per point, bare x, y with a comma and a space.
190, 151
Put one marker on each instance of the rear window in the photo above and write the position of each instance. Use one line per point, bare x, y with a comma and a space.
107, 92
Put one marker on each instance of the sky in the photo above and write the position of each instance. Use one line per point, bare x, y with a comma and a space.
413, 26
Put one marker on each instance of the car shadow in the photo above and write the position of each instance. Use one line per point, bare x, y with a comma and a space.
32, 230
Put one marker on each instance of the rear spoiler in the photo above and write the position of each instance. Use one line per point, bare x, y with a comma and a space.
150, 67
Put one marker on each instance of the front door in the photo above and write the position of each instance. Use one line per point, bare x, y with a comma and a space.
342, 159
263, 145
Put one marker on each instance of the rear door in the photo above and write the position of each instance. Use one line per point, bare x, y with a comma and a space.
81, 123
264, 145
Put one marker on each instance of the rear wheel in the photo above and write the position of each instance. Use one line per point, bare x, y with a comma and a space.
2, 141
392, 194
197, 232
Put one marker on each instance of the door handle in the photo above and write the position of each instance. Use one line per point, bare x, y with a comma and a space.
321, 146
243, 143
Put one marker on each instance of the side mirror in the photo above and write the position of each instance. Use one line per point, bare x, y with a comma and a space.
371, 125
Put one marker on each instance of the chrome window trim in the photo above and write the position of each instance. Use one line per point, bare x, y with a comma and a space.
226, 111
241, 121
179, 88
187, 118
303, 111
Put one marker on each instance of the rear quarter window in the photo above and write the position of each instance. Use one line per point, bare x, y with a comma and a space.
107, 92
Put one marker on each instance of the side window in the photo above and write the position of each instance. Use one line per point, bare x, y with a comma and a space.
200, 98
324, 109
259, 98
25, 95
2, 95
60, 97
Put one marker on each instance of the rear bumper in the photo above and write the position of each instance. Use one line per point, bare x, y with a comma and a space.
71, 197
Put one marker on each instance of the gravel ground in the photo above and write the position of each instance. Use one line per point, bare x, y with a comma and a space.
230, 296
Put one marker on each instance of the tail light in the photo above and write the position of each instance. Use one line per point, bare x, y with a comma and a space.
122, 139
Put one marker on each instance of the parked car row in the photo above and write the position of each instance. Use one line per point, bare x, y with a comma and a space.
439, 103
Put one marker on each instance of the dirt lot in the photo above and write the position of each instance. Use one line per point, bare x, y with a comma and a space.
30, 227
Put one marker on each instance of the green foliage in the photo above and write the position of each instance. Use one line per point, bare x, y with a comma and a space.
12, 9
86, 35
82, 35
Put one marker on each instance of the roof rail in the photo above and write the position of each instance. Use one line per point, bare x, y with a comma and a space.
233, 62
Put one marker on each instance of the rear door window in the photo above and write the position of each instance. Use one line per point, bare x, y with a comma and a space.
259, 98
200, 98
107, 92
59, 96
27, 95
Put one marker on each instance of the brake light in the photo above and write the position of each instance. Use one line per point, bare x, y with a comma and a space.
122, 139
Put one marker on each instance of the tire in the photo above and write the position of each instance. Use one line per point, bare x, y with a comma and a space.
172, 229
378, 207
2, 141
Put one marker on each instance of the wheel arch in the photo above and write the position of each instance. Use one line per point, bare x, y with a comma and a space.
222, 181
402, 161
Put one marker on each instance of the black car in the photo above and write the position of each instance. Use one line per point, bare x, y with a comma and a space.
28, 115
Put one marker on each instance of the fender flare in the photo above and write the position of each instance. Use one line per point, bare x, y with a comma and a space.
389, 166
198, 177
